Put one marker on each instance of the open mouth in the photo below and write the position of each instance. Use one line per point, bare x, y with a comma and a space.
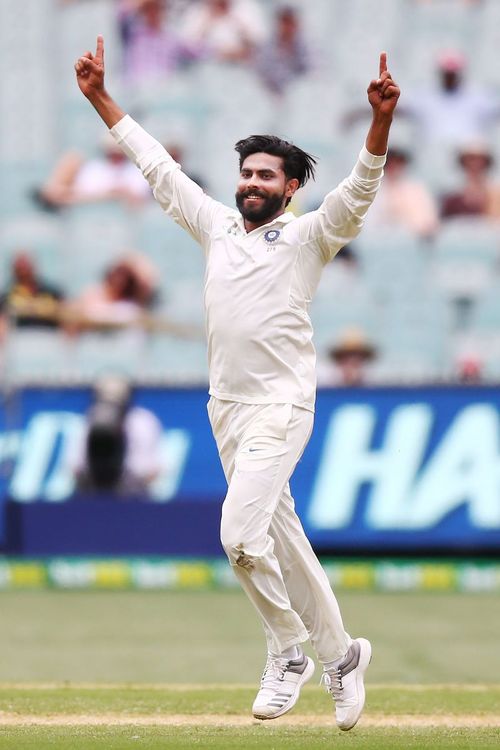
254, 198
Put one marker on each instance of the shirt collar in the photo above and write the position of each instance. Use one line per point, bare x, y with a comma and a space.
283, 218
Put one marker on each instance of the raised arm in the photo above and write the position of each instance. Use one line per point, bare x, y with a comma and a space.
383, 95
177, 194
340, 217
90, 77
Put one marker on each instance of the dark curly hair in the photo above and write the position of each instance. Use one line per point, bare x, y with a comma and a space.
296, 163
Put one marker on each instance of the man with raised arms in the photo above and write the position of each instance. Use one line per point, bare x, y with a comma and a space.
263, 265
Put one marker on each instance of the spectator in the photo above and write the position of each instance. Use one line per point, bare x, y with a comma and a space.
284, 56
350, 359
118, 451
120, 300
469, 369
403, 200
146, 275
455, 111
29, 301
224, 30
479, 195
110, 177
448, 114
151, 48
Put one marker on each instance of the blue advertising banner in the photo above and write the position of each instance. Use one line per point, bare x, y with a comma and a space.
386, 468
405, 468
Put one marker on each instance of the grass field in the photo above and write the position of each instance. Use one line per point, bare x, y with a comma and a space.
179, 670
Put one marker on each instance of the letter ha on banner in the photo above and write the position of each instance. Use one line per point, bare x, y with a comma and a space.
407, 492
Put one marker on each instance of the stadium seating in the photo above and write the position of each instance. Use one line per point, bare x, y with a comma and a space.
419, 301
36, 356
39, 235
465, 257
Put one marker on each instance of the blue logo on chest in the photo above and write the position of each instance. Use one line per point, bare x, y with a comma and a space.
272, 236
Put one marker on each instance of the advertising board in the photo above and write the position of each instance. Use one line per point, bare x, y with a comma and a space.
386, 468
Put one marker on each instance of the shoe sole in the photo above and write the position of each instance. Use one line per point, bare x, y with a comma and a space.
305, 676
365, 657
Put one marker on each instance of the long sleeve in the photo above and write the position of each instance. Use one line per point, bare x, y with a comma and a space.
340, 217
177, 194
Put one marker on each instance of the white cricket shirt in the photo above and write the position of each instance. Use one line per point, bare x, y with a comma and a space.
258, 285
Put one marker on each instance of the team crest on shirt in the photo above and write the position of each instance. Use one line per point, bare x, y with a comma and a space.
272, 236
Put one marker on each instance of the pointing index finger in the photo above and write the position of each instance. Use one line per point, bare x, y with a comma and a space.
99, 51
383, 63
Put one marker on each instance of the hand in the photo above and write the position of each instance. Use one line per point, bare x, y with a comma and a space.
90, 78
90, 70
383, 93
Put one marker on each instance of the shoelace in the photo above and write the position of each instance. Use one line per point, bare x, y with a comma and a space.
274, 670
332, 680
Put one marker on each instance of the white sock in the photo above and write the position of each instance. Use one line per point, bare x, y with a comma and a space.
294, 652
333, 664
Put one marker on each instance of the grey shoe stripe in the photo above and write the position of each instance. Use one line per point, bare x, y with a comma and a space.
298, 666
351, 660
280, 699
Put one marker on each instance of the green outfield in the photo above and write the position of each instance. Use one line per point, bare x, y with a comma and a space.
179, 670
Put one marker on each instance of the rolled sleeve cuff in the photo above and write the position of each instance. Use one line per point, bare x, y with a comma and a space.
123, 128
372, 160
370, 166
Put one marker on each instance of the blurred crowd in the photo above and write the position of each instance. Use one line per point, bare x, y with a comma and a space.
228, 31
122, 298
160, 38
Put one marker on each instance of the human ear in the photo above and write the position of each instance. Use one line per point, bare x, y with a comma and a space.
291, 186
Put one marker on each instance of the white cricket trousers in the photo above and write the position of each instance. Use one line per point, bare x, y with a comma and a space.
259, 446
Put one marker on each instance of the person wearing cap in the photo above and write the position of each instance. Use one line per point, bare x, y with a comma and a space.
448, 111
351, 356
479, 195
454, 111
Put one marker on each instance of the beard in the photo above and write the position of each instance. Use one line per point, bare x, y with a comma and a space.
270, 206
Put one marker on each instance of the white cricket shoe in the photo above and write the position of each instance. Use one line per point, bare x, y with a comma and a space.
346, 683
280, 685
